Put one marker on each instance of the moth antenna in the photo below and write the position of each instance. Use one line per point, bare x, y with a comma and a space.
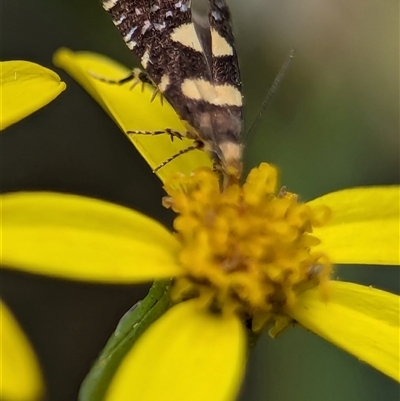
181, 152
272, 90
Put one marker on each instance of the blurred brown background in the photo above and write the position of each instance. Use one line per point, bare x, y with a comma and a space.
334, 123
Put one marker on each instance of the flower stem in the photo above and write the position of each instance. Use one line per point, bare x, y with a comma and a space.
131, 326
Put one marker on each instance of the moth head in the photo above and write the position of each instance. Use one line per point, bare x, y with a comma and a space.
231, 158
227, 158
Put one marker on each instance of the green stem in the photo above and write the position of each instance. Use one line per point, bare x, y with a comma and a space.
132, 325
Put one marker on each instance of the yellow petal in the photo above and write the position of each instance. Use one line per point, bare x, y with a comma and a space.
25, 88
365, 226
188, 354
84, 239
20, 375
362, 320
132, 110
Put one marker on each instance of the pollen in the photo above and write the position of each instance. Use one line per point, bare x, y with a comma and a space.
246, 249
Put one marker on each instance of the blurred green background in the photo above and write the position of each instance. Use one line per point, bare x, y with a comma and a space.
334, 123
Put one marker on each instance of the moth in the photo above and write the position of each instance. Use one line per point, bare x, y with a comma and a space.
191, 60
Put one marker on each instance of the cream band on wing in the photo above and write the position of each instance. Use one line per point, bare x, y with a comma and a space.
186, 35
109, 4
218, 95
162, 86
219, 45
145, 58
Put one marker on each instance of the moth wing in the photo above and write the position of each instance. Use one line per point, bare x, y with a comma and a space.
161, 35
225, 67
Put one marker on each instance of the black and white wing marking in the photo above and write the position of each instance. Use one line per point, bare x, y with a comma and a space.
193, 62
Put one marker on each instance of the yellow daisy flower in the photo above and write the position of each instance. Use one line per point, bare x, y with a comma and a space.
25, 88
250, 256
263, 274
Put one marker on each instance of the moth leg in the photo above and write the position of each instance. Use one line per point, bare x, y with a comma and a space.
137, 76
173, 134
134, 75
196, 145
155, 92
216, 168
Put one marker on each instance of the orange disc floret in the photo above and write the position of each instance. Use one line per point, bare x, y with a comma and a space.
247, 249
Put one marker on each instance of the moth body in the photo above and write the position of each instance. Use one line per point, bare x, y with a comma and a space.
192, 60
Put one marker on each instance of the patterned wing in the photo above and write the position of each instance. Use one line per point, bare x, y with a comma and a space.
225, 61
150, 29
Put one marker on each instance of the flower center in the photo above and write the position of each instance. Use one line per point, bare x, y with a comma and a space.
247, 249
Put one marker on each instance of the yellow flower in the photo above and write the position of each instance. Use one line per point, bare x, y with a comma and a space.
75, 237
249, 254
25, 88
